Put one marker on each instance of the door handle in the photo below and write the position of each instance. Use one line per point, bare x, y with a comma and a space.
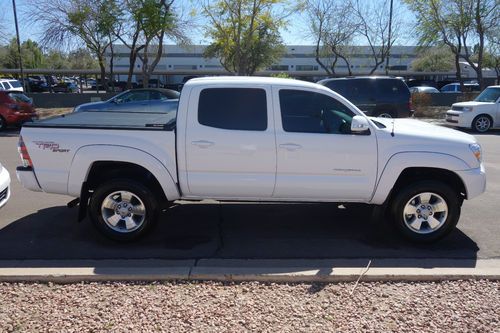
202, 143
290, 146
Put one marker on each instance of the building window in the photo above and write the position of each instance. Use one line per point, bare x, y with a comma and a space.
306, 68
278, 68
185, 67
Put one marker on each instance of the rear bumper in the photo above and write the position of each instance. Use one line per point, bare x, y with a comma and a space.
4, 187
27, 178
474, 180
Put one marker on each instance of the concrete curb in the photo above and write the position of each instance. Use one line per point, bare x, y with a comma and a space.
280, 271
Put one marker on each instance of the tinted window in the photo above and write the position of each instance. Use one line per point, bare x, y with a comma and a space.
339, 86
392, 90
15, 84
233, 108
2, 86
309, 112
164, 95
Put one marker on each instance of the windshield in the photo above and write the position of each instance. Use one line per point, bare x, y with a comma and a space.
19, 97
489, 95
15, 84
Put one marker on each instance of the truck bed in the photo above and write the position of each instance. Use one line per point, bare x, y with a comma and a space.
110, 120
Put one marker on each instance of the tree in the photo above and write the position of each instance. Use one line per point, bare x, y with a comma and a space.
333, 24
245, 34
64, 22
374, 29
144, 27
459, 24
55, 59
32, 55
434, 59
81, 58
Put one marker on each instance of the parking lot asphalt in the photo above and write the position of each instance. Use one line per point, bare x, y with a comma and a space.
40, 226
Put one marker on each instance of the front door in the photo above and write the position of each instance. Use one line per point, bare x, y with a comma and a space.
230, 143
318, 157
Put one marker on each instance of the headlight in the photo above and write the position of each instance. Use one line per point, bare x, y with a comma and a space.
467, 108
476, 150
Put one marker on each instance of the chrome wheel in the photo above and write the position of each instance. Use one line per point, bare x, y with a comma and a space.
482, 124
425, 213
384, 115
123, 211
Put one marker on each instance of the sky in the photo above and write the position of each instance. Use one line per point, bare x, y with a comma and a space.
294, 35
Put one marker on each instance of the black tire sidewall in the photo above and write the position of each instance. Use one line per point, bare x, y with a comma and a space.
408, 192
142, 191
474, 124
3, 123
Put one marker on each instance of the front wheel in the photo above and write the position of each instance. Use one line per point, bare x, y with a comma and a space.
426, 211
123, 210
481, 123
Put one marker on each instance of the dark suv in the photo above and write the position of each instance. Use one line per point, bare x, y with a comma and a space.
375, 95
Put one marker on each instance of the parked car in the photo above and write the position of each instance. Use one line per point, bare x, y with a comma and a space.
15, 109
481, 114
35, 85
377, 96
4, 186
253, 139
11, 85
66, 87
424, 90
420, 83
136, 100
455, 87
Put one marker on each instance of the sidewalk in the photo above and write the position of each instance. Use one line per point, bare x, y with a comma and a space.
251, 270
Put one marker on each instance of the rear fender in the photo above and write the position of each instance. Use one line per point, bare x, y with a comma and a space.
87, 155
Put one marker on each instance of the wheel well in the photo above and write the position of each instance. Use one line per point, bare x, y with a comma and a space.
448, 177
103, 171
486, 115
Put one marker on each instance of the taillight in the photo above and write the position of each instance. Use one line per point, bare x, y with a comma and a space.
23, 152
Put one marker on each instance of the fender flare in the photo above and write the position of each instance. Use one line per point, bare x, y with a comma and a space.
86, 156
401, 161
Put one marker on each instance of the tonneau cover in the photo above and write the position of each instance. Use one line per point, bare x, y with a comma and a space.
110, 120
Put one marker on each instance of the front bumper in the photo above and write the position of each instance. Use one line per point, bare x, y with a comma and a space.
27, 178
474, 180
4, 187
459, 118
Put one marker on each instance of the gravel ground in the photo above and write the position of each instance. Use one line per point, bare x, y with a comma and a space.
461, 306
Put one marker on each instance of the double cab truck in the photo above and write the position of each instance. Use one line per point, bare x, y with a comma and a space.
253, 139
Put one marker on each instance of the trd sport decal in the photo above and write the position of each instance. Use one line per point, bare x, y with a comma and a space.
49, 145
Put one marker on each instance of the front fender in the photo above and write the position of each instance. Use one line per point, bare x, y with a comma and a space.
87, 155
401, 161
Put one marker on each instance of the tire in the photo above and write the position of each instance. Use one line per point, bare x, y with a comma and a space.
481, 123
123, 210
3, 124
432, 211
385, 114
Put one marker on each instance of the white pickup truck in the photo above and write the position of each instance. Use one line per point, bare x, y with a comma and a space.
252, 139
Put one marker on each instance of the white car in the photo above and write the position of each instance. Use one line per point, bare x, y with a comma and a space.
4, 186
252, 139
481, 114
11, 85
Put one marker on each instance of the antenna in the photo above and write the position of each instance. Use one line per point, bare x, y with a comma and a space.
392, 131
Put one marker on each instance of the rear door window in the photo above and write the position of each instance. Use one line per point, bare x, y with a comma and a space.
15, 84
243, 109
392, 90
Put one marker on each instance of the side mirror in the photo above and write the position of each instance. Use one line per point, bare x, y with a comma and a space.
359, 125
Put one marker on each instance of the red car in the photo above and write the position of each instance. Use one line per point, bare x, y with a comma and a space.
15, 108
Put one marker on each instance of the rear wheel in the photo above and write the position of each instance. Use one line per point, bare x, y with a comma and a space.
481, 123
426, 211
385, 114
123, 210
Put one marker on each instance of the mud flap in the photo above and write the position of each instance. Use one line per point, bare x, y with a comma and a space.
84, 202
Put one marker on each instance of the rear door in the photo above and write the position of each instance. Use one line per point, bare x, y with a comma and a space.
230, 143
318, 157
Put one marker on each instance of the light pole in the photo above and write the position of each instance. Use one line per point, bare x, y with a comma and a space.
19, 46
389, 41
